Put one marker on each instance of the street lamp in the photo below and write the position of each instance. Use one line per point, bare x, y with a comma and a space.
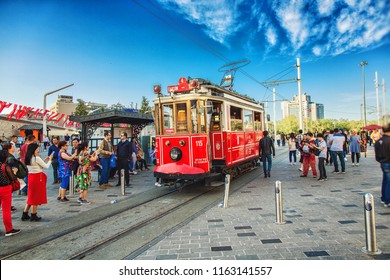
362, 64
44, 129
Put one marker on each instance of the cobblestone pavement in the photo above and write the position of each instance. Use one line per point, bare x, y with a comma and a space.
324, 220
55, 210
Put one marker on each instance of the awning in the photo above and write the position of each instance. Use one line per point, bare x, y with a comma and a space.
32, 127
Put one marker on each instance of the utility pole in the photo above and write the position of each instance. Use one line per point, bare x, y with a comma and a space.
266, 115
299, 93
274, 96
362, 64
378, 110
384, 101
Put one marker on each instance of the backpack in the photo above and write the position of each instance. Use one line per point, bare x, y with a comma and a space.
22, 170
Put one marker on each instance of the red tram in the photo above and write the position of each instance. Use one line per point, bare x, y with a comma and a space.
203, 128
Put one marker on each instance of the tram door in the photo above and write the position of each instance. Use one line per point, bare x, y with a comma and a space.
216, 137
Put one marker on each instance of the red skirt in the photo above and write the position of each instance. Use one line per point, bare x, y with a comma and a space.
36, 192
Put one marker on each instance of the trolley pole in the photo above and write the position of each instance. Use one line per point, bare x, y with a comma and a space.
123, 190
369, 222
279, 203
227, 188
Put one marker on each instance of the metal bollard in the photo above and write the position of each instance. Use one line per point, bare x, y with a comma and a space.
369, 222
123, 181
227, 188
71, 184
279, 203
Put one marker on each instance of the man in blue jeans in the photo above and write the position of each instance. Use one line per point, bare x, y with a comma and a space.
336, 150
382, 155
106, 151
267, 151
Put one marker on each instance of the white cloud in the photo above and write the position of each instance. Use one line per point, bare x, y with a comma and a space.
294, 21
325, 7
271, 36
219, 17
292, 26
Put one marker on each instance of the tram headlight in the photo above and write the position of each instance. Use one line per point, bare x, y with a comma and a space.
176, 154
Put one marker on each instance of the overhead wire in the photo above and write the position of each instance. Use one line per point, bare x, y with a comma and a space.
200, 42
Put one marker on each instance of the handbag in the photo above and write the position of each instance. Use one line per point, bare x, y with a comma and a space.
15, 185
112, 161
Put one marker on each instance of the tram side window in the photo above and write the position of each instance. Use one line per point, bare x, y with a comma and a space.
194, 116
202, 114
236, 118
258, 123
181, 110
168, 119
215, 124
248, 120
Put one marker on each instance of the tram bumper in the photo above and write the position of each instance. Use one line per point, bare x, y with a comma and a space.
179, 171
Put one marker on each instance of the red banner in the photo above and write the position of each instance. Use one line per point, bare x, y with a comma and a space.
20, 111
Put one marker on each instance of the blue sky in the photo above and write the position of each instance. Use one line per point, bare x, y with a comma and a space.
115, 51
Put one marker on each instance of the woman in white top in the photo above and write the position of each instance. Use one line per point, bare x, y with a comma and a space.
36, 194
292, 148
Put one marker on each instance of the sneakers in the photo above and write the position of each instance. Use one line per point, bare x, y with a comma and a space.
386, 205
321, 180
13, 209
65, 199
79, 200
157, 184
357, 164
84, 201
353, 164
12, 232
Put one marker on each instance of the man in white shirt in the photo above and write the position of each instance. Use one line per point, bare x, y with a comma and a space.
14, 140
336, 150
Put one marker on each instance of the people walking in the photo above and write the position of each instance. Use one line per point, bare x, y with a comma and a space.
36, 194
336, 151
6, 177
106, 151
292, 148
382, 155
309, 159
134, 153
322, 157
354, 147
53, 150
83, 175
64, 169
267, 151
124, 156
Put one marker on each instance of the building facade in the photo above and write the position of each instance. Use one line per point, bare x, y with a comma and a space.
310, 110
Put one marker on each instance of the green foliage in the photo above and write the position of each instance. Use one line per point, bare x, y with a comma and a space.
145, 108
291, 124
81, 108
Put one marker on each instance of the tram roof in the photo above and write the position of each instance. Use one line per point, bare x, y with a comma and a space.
115, 116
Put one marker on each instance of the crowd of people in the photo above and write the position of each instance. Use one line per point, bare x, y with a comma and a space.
330, 148
312, 151
64, 161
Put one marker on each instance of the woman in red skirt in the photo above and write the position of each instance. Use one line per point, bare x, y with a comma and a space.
36, 194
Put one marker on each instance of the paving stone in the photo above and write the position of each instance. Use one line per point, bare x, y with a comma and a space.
269, 241
316, 254
221, 248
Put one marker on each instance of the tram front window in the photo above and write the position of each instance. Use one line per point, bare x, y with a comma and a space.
169, 127
181, 110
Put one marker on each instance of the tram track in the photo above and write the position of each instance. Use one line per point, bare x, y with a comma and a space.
125, 230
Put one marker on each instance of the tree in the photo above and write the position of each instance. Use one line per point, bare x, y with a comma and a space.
81, 108
145, 108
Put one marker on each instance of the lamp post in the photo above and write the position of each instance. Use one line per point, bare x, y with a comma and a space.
362, 64
44, 128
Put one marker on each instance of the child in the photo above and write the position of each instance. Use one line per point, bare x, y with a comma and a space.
84, 177
322, 157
